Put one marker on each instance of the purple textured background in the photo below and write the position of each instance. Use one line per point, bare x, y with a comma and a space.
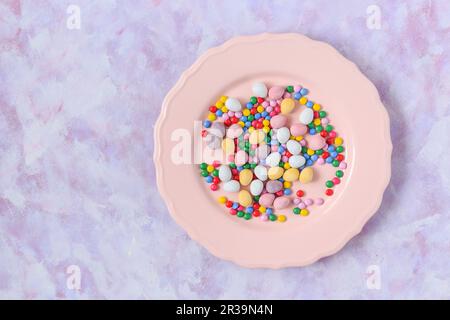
77, 183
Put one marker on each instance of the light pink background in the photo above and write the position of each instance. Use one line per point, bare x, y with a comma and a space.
77, 183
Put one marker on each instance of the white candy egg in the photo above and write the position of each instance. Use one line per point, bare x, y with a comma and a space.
297, 161
306, 116
294, 147
259, 89
231, 186
233, 104
261, 172
283, 134
273, 159
224, 173
256, 187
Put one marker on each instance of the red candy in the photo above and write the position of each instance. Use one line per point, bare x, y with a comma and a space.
336, 180
300, 193
329, 192
214, 187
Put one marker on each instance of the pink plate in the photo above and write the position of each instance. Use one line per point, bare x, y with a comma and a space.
354, 109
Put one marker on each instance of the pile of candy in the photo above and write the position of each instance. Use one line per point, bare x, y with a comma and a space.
264, 157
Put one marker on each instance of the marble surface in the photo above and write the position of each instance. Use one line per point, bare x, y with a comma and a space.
78, 199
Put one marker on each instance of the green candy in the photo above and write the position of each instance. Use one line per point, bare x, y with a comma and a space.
232, 165
253, 100
322, 114
272, 217
329, 128
247, 216
329, 184
296, 210
204, 173
339, 149
203, 166
335, 163
339, 173
215, 173
240, 214
290, 89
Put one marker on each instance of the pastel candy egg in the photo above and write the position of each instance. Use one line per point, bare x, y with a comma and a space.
257, 137
316, 142
298, 129
244, 198
297, 161
233, 104
287, 105
306, 116
293, 147
306, 175
241, 158
259, 89
281, 202
276, 92
234, 131
213, 141
245, 177
266, 199
291, 174
278, 121
261, 172
273, 186
217, 129
283, 135
273, 159
224, 173
256, 187
228, 145
231, 186
262, 152
275, 173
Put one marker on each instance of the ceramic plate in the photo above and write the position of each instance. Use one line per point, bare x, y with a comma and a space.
354, 109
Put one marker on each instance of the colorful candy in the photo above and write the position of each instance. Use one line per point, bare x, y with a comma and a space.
264, 157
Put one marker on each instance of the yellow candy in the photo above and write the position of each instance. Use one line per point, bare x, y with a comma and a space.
244, 198
303, 100
304, 212
222, 199
291, 174
228, 146
223, 99
316, 107
281, 218
266, 129
262, 209
251, 129
241, 123
287, 184
266, 123
317, 122
210, 168
224, 109
306, 175
245, 177
211, 117
299, 138
260, 109
246, 112
286, 166
275, 173
310, 152
257, 136
338, 141
287, 105
219, 104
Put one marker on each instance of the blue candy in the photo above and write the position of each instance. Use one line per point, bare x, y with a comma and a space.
207, 123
